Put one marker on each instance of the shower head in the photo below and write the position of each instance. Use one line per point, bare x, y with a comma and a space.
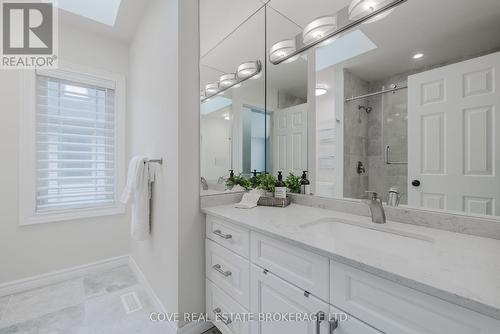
366, 109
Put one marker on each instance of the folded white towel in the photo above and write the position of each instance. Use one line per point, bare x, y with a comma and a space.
249, 199
137, 192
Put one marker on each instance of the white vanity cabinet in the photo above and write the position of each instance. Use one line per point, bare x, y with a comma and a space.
249, 272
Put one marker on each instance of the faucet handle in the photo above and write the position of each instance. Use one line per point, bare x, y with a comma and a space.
374, 194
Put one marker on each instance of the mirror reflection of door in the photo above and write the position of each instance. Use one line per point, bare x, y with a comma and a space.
254, 143
452, 137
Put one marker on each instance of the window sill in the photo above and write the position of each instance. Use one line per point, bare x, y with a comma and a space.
78, 214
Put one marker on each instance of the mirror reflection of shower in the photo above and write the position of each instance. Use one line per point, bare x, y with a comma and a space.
375, 117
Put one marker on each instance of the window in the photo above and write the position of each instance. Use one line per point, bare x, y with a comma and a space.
77, 144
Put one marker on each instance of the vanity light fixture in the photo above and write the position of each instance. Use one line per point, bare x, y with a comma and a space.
227, 80
418, 56
247, 70
321, 90
321, 30
318, 28
282, 49
361, 8
211, 88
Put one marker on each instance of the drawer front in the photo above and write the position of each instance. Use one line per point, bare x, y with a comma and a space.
228, 271
219, 302
395, 309
347, 324
305, 269
229, 235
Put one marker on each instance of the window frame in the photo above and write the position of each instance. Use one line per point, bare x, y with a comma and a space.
27, 142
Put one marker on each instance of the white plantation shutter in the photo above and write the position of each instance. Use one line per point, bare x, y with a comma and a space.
75, 145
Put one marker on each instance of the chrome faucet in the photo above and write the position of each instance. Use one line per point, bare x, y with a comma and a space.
222, 179
376, 207
204, 183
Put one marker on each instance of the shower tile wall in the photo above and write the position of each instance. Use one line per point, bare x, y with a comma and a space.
355, 137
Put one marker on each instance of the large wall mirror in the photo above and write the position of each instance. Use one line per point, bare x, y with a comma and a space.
390, 105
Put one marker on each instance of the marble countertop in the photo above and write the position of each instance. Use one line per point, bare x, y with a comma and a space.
459, 268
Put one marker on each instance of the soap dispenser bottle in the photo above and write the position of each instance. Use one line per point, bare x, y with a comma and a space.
305, 185
280, 187
253, 180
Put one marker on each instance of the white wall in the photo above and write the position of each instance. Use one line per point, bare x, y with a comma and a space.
26, 251
191, 221
164, 122
153, 131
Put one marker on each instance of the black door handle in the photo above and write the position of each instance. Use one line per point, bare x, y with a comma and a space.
415, 183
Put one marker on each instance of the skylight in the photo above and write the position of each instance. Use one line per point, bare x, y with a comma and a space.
97, 10
214, 104
346, 47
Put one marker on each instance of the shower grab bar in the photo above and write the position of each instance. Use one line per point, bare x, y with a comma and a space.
387, 162
393, 89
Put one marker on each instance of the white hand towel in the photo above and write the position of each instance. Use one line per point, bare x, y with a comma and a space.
249, 199
137, 193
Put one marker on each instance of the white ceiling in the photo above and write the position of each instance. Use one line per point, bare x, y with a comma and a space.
129, 15
444, 30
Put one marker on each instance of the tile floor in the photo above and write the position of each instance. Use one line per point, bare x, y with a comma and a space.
88, 305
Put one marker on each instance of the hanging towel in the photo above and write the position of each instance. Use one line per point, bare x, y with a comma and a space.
137, 193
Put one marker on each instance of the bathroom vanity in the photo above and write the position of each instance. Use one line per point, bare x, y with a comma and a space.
391, 278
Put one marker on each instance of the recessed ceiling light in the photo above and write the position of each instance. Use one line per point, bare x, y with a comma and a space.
418, 55
321, 90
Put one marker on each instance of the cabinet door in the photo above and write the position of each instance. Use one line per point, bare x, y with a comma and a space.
271, 295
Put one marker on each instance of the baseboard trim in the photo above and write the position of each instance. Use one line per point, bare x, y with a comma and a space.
158, 305
190, 328
60, 275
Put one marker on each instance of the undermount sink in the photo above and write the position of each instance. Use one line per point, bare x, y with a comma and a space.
341, 227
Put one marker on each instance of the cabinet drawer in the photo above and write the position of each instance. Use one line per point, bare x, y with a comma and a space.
271, 295
228, 271
305, 269
219, 302
395, 309
231, 236
347, 324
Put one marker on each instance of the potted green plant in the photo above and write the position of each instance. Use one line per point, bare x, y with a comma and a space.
238, 180
293, 183
267, 183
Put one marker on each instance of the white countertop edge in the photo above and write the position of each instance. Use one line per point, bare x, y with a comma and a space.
448, 296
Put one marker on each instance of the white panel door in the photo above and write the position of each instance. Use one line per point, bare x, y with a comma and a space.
272, 295
290, 140
454, 146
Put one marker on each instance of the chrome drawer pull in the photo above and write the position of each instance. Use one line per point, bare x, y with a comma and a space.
320, 316
222, 235
218, 268
225, 321
334, 324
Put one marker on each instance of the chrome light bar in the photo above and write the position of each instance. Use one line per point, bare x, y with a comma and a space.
304, 47
238, 81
